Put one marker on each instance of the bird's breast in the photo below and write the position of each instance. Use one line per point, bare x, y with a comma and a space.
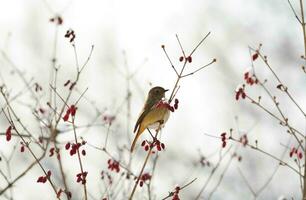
161, 116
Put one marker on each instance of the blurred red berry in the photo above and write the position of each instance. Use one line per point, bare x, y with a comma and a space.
189, 59
67, 146
51, 151
255, 56
67, 82
22, 148
113, 165
8, 133
73, 110
59, 192
223, 144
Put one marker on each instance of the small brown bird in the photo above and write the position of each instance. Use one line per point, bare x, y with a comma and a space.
151, 116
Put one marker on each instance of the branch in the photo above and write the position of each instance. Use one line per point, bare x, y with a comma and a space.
181, 188
214, 60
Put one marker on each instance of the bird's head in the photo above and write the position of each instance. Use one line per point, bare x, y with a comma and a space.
157, 93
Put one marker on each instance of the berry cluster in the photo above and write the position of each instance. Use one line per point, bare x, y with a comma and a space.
58, 20
43, 179
250, 79
72, 84
109, 119
70, 111
240, 93
159, 146
244, 140
52, 150
223, 139
188, 59
113, 165
295, 151
74, 147
81, 177
70, 35
163, 104
176, 193
145, 177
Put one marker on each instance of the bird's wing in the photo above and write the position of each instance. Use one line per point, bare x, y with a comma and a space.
146, 109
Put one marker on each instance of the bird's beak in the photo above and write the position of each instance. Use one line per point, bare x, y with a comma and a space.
166, 90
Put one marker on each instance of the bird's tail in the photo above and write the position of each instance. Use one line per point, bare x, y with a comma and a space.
140, 130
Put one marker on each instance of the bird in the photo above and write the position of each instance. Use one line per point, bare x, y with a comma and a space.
152, 116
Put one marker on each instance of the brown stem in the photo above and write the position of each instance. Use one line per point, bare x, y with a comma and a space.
63, 175
79, 158
144, 165
304, 37
303, 25
181, 188
140, 173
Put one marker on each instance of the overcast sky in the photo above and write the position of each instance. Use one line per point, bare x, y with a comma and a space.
127, 36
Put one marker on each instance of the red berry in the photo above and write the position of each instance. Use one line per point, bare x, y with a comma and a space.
8, 133
66, 117
67, 146
67, 82
51, 152
223, 144
189, 59
49, 173
239, 158
58, 194
73, 110
255, 56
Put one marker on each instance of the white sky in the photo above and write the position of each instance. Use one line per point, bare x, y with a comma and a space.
207, 101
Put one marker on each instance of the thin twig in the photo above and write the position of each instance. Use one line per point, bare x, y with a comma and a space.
178, 40
170, 62
142, 168
79, 158
212, 172
199, 43
214, 60
181, 188
295, 14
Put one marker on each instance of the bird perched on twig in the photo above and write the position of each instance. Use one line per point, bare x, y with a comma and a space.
152, 115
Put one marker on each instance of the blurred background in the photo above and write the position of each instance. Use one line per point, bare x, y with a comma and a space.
127, 38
